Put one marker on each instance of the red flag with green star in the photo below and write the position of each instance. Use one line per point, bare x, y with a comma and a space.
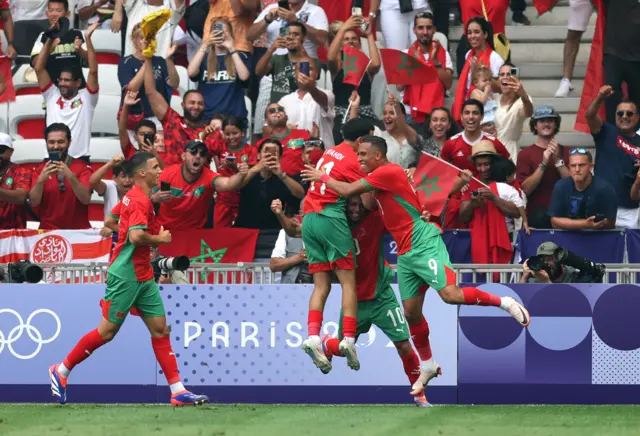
354, 65
433, 181
543, 6
404, 69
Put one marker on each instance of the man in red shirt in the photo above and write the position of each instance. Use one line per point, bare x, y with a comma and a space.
60, 185
423, 259
130, 285
292, 140
192, 186
541, 165
15, 183
178, 130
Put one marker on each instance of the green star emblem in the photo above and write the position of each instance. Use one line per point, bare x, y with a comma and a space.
198, 191
349, 64
207, 253
9, 181
409, 63
429, 186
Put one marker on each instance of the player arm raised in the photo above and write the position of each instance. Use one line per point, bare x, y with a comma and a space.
345, 189
142, 237
233, 183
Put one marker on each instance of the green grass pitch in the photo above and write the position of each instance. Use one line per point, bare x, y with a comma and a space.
281, 420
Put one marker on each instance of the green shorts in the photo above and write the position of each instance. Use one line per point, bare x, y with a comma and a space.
328, 243
425, 266
121, 296
385, 313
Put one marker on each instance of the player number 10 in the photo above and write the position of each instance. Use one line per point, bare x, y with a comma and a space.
327, 169
398, 315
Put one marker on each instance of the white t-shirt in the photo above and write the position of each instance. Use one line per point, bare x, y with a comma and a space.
509, 193
509, 121
110, 196
81, 4
310, 14
386, 5
448, 65
495, 63
304, 112
77, 113
23, 10
138, 9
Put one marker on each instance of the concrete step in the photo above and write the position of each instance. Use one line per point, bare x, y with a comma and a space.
568, 139
541, 88
540, 52
564, 106
548, 70
559, 16
533, 33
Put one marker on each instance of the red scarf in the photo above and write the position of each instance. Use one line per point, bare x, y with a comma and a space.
484, 58
490, 241
423, 98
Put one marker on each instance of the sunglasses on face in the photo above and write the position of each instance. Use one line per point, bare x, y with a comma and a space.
198, 151
621, 114
274, 110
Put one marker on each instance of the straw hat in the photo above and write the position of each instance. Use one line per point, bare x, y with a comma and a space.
483, 148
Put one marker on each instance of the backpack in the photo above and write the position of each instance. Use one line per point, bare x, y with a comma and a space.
195, 16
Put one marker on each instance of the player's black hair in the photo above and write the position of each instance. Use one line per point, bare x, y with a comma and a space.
453, 126
376, 142
189, 92
300, 26
271, 141
122, 167
356, 128
474, 102
138, 160
146, 123
240, 123
75, 75
65, 3
57, 127
628, 102
501, 169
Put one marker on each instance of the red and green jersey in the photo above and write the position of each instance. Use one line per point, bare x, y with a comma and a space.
373, 273
247, 154
292, 149
189, 204
129, 262
341, 163
399, 206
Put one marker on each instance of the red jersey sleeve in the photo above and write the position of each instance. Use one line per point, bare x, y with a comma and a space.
35, 173
501, 149
380, 179
128, 150
115, 212
446, 152
138, 216
171, 118
84, 174
211, 180
22, 179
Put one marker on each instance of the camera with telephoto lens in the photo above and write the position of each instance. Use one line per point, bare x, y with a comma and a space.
537, 264
166, 265
590, 272
20, 272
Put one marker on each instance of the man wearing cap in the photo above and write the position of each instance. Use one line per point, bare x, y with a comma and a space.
192, 185
541, 165
489, 211
558, 273
583, 201
14, 188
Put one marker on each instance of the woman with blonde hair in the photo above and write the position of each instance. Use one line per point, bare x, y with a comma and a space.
221, 72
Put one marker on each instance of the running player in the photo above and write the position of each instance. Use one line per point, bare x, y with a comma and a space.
130, 285
377, 303
422, 256
329, 246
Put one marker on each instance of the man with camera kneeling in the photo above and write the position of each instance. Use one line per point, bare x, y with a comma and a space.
553, 264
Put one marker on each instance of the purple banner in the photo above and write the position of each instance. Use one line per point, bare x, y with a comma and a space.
603, 246
458, 244
633, 245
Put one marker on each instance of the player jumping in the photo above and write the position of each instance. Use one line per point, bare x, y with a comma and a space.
130, 285
329, 246
377, 303
422, 256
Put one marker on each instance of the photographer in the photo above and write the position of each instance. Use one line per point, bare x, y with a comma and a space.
175, 276
553, 264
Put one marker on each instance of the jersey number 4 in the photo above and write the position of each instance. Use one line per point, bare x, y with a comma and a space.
327, 170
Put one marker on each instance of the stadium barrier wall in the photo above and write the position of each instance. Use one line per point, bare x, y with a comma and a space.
240, 343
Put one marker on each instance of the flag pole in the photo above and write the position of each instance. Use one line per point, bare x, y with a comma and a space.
346, 115
389, 95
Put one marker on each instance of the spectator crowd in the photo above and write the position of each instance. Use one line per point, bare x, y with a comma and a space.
260, 109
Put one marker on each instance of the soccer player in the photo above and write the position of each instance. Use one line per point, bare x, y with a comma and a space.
130, 285
377, 303
422, 256
329, 246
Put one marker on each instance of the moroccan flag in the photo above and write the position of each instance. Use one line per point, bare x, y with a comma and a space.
354, 65
543, 6
433, 181
228, 246
9, 93
404, 69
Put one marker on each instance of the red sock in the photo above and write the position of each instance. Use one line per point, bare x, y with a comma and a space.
411, 366
476, 297
349, 326
314, 322
83, 349
420, 335
166, 358
332, 347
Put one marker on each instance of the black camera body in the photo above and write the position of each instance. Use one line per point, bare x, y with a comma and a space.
20, 272
166, 265
590, 272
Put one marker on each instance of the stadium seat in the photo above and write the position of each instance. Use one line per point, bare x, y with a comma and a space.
107, 45
28, 151
104, 149
26, 117
27, 89
19, 77
4, 110
176, 104
104, 117
107, 79
185, 83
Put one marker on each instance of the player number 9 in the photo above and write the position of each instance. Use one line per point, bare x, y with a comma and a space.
433, 266
327, 169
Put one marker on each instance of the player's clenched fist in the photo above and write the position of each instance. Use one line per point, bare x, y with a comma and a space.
164, 236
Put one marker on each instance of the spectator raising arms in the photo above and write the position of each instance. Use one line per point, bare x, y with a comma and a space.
145, 132
60, 185
231, 152
441, 127
15, 182
240, 13
221, 72
112, 190
131, 75
66, 103
348, 36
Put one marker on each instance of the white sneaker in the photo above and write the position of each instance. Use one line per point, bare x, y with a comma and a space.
564, 89
348, 350
516, 310
313, 347
428, 371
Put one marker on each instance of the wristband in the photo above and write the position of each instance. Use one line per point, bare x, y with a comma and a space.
325, 178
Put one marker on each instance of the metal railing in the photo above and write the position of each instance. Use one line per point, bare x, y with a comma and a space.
261, 274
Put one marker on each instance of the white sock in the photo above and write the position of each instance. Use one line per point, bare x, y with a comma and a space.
504, 305
428, 364
564, 79
176, 387
349, 340
314, 337
63, 370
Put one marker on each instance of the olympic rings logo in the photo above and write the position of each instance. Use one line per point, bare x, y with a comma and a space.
33, 333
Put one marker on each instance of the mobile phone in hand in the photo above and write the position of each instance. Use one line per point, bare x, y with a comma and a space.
304, 68
515, 71
149, 138
54, 156
284, 4
218, 27
165, 186
230, 159
284, 31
